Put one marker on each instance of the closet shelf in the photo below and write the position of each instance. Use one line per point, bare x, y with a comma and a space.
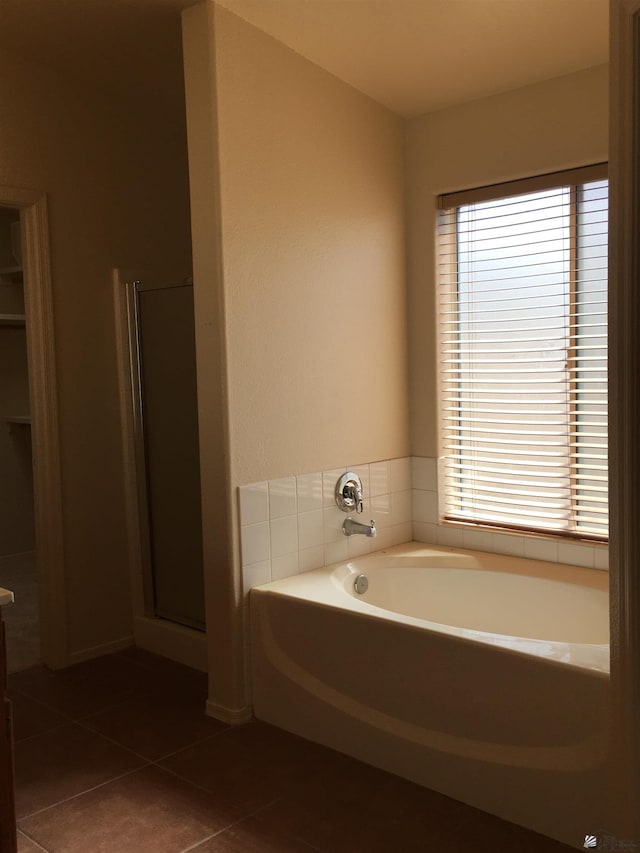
11, 276
17, 421
12, 319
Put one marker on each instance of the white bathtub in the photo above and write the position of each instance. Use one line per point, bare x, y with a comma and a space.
484, 677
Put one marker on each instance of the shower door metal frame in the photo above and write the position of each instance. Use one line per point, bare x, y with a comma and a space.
168, 639
140, 463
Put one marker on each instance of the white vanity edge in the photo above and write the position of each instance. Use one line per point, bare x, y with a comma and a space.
6, 597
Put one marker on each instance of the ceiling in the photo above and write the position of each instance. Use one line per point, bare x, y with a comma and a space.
413, 56
125, 47
417, 56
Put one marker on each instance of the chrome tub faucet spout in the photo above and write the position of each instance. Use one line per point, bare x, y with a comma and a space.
350, 527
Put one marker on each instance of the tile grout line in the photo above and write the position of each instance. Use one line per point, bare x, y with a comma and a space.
242, 820
229, 826
22, 740
67, 716
184, 779
295, 837
209, 837
134, 693
31, 698
188, 746
83, 723
146, 759
79, 794
130, 773
80, 724
115, 743
146, 762
32, 840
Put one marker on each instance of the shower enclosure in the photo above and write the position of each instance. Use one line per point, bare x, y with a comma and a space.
166, 452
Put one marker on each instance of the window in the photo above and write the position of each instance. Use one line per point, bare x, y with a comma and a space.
522, 271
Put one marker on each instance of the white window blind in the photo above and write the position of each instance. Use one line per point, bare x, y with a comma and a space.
523, 354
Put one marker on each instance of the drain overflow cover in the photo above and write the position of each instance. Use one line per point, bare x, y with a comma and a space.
361, 584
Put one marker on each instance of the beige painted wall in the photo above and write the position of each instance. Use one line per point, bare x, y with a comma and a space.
298, 222
115, 175
543, 128
313, 252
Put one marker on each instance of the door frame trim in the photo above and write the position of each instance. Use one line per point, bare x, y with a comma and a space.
624, 407
48, 506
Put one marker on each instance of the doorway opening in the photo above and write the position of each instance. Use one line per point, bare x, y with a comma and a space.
31, 539
17, 518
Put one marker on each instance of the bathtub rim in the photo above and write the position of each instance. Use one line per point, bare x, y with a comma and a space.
324, 587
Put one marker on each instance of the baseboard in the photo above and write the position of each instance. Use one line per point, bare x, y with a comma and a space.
183, 645
231, 716
97, 651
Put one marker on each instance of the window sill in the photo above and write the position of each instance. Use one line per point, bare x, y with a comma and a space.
534, 546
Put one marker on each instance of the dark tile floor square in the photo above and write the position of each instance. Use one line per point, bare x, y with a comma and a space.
155, 724
359, 808
149, 811
117, 756
65, 762
79, 690
247, 766
248, 836
31, 717
164, 669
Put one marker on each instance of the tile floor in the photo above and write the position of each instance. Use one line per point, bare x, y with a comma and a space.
117, 756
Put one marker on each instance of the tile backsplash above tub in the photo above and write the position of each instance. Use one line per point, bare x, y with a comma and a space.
292, 524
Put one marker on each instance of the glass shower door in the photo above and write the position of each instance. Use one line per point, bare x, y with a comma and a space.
169, 451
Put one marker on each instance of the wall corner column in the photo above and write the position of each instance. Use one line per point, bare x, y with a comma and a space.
227, 693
